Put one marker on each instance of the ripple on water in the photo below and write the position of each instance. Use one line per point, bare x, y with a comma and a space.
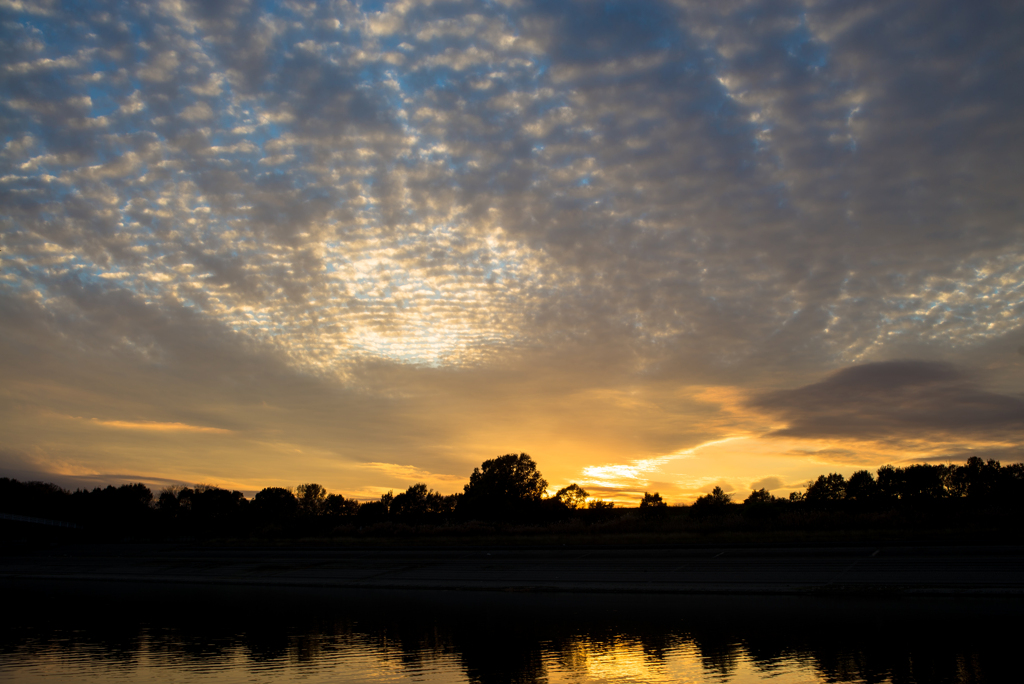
487, 639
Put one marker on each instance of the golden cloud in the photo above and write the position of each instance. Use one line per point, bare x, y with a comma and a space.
155, 426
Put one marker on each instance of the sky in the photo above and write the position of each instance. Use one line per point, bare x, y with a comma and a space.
658, 246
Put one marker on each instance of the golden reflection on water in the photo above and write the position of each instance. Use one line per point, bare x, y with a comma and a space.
629, 661
234, 665
342, 658
156, 636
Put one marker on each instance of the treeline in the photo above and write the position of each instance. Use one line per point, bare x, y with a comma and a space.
976, 481
506, 495
509, 488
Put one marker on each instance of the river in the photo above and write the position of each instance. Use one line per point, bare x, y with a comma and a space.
70, 631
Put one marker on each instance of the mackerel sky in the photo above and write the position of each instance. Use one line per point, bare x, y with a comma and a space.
660, 246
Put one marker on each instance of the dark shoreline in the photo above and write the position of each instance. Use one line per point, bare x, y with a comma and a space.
881, 571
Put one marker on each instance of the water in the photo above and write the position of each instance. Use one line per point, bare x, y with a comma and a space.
93, 632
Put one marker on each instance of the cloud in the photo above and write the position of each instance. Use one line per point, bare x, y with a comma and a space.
660, 191
156, 426
726, 486
200, 111
618, 196
769, 483
895, 399
410, 472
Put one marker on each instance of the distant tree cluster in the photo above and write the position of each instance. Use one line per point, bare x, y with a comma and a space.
976, 480
507, 490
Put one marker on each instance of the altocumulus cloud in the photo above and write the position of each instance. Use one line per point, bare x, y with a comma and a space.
705, 193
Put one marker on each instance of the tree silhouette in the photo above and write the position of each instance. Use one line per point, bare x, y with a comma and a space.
861, 486
652, 501
412, 502
572, 497
714, 503
761, 505
980, 479
759, 497
275, 505
717, 497
831, 487
113, 510
888, 482
505, 486
652, 505
215, 510
337, 505
418, 501
922, 482
39, 499
312, 498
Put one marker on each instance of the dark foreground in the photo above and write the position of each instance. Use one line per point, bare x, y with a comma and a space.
881, 571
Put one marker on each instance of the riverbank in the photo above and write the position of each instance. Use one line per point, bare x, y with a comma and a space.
881, 570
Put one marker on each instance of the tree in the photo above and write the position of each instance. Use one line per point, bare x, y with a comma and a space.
337, 505
922, 482
758, 497
136, 495
168, 502
831, 487
979, 479
441, 504
37, 499
216, 510
712, 504
413, 501
417, 500
652, 501
761, 505
718, 497
599, 505
120, 506
572, 497
861, 486
918, 482
652, 505
275, 505
888, 482
312, 498
372, 510
505, 486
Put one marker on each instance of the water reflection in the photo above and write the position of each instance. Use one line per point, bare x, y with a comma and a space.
76, 632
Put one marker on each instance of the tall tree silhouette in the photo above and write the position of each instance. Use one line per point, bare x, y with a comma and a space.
831, 487
508, 486
312, 498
